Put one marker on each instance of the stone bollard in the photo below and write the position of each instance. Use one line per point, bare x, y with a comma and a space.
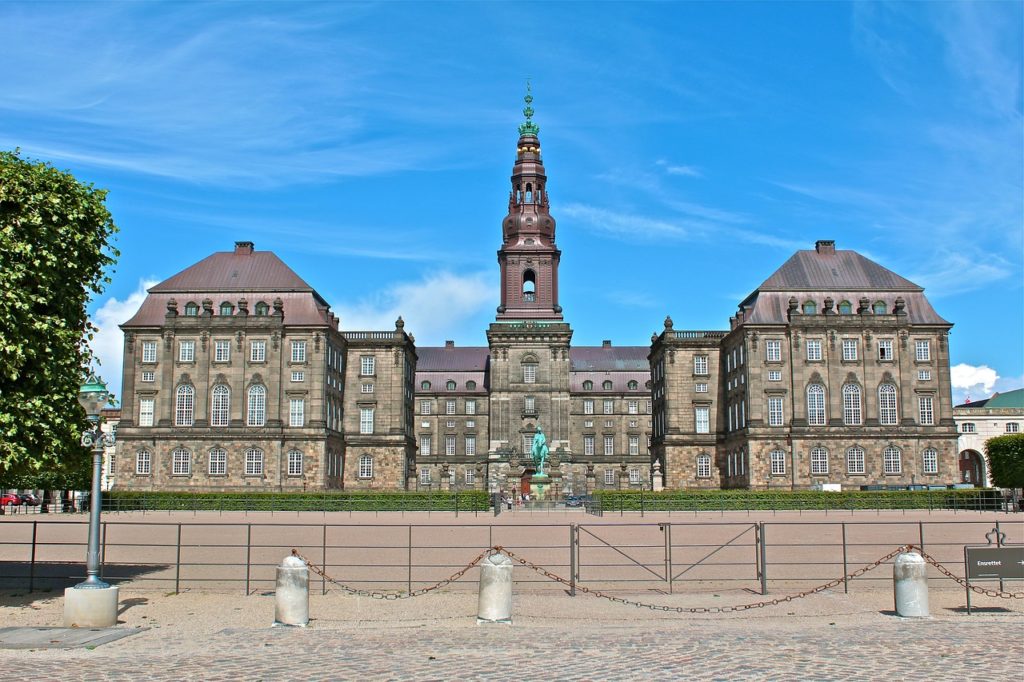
291, 600
910, 585
495, 603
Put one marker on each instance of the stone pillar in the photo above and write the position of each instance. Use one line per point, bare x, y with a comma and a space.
291, 599
910, 585
495, 600
657, 478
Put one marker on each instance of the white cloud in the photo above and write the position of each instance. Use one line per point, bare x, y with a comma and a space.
108, 343
628, 225
431, 308
970, 381
679, 169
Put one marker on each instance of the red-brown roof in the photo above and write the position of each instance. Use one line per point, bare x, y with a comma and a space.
232, 271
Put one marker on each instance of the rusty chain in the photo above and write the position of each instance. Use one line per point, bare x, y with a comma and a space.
395, 594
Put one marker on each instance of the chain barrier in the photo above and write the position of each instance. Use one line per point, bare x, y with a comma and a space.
398, 594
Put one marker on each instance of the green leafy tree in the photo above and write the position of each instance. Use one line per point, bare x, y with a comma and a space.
1006, 460
55, 248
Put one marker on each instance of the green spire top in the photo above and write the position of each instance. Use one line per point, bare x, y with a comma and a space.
528, 127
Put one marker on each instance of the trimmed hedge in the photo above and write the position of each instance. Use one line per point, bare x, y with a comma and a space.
465, 500
743, 500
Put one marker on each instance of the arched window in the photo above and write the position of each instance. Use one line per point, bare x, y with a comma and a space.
816, 405
218, 465
184, 406
607, 385
887, 415
227, 309
893, 460
365, 466
450, 385
529, 193
220, 404
845, 308
256, 414
191, 309
295, 463
703, 466
262, 309
588, 385
529, 286
470, 385
855, 460
879, 307
253, 462
143, 462
425, 385
633, 385
851, 405
810, 307
819, 460
181, 462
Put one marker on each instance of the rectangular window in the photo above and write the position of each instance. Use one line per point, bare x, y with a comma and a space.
609, 476
588, 445
855, 461
149, 351
146, 411
529, 405
608, 423
609, 445
295, 463
425, 476
774, 375
296, 412
702, 419
813, 349
425, 443
470, 407
298, 376
221, 351
298, 351
609, 407
181, 463
924, 375
218, 462
529, 374
892, 461
258, 351
931, 461
425, 406
922, 350
149, 376
1013, 427
926, 414
773, 350
470, 476
633, 423
967, 427
633, 407
849, 349
449, 445
703, 466
186, 351
774, 411
366, 420
366, 388
819, 461
470, 423
253, 462
778, 459
588, 407
885, 349
634, 477
648, 407
449, 407
367, 365
634, 445
700, 365
450, 423
588, 423
700, 388
143, 463
470, 445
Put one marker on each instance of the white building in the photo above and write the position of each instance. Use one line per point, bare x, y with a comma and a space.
978, 421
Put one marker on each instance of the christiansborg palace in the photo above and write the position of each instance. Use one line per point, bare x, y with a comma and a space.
237, 376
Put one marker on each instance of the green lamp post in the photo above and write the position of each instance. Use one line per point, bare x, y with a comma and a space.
93, 397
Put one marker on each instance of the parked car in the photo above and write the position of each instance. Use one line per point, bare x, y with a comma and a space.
9, 500
30, 499
573, 501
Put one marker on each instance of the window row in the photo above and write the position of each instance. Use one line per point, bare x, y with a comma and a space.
608, 406
608, 385
608, 442
844, 307
426, 476
850, 350
449, 385
971, 427
450, 441
892, 462
226, 308
450, 406
222, 351
220, 407
888, 399
216, 462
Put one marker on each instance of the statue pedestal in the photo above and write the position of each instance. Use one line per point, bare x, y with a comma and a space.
540, 486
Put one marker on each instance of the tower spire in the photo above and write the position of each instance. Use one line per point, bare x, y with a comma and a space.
528, 127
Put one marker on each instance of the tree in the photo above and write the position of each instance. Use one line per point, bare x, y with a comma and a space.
55, 247
1006, 460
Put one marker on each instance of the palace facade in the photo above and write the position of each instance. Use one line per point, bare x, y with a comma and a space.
237, 376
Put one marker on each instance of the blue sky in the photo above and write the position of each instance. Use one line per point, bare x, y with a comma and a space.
690, 148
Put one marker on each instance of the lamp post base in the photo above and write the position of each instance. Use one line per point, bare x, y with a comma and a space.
91, 608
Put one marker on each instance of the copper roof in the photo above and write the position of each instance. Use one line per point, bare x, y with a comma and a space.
451, 358
771, 307
839, 270
620, 382
233, 271
609, 358
300, 309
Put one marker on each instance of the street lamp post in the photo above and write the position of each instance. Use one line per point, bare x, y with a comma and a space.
93, 603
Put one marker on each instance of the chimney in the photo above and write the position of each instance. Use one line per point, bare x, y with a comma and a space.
449, 344
607, 343
825, 246
243, 248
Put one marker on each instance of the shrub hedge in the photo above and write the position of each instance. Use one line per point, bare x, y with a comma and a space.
465, 500
732, 500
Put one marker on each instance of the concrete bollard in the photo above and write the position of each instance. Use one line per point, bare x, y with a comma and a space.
90, 607
910, 585
495, 603
291, 600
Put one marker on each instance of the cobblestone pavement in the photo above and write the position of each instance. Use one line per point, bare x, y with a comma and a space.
830, 636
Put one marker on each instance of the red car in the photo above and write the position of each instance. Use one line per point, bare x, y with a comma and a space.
9, 499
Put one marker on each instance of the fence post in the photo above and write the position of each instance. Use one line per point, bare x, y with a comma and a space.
409, 576
999, 543
177, 563
323, 562
572, 559
668, 554
764, 567
248, 555
920, 535
846, 571
32, 564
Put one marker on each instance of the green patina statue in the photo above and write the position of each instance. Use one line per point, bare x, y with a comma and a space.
540, 451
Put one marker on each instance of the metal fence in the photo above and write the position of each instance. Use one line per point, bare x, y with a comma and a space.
670, 556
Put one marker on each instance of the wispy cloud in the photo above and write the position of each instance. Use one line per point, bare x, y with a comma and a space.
108, 343
678, 169
629, 226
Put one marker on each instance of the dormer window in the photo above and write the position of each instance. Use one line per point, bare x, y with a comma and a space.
810, 308
227, 309
529, 286
588, 385
607, 386
879, 308
845, 308
191, 309
261, 309
633, 385
425, 385
450, 385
